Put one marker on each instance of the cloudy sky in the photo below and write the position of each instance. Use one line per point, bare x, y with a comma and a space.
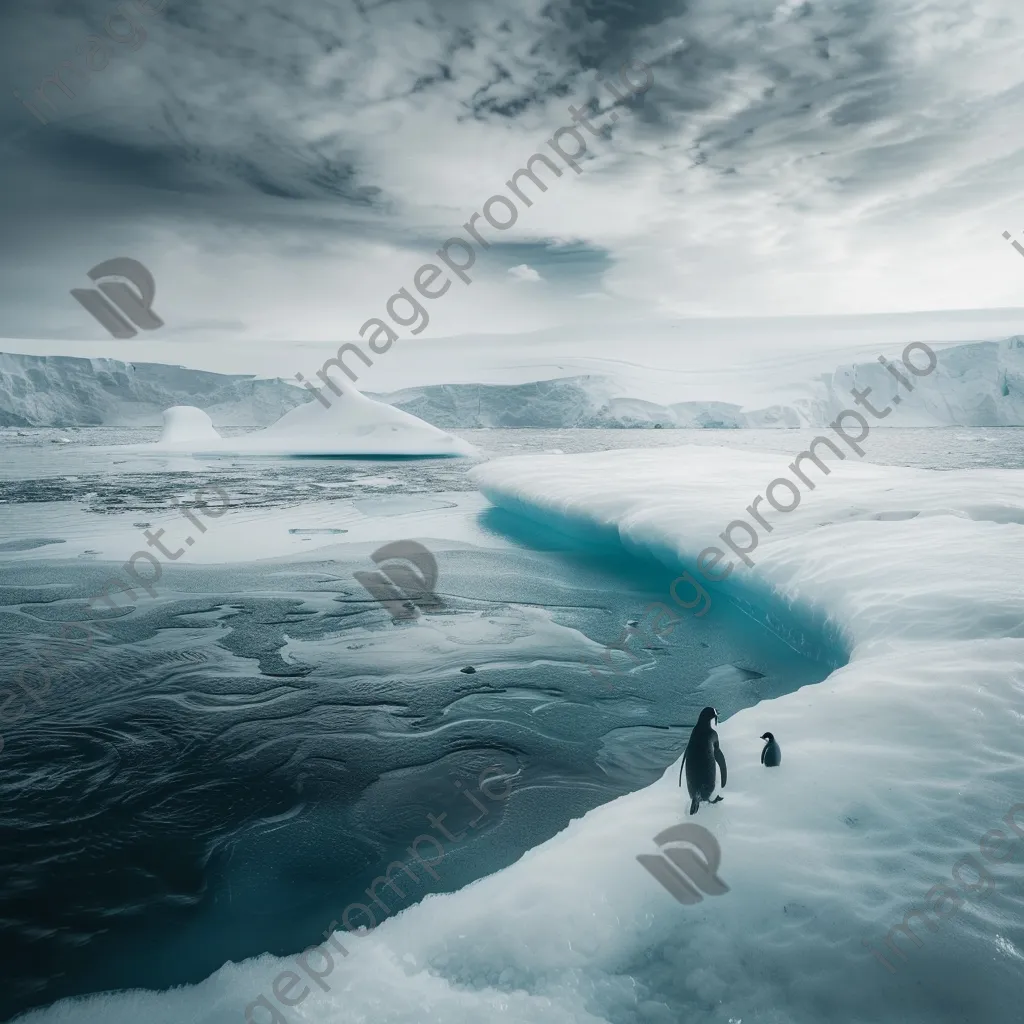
284, 167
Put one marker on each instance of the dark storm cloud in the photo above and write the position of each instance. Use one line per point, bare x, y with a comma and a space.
603, 33
343, 132
234, 98
238, 97
226, 95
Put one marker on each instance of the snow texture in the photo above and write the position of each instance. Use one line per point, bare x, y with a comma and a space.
897, 767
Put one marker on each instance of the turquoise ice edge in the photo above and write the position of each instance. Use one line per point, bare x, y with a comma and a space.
805, 629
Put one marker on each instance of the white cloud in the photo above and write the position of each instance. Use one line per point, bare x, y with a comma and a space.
524, 273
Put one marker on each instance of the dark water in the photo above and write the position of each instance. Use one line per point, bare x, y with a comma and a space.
231, 765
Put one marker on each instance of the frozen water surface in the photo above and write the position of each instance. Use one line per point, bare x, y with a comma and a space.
246, 752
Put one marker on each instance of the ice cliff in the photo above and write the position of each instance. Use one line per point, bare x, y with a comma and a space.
585, 401
977, 383
49, 391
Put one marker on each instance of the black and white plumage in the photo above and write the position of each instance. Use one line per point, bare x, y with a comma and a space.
699, 759
771, 756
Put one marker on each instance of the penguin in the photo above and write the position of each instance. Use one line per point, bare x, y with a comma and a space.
771, 756
702, 751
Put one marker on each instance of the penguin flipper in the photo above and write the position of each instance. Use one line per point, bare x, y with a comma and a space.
720, 758
681, 763
763, 753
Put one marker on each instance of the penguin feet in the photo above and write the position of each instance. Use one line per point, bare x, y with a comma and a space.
695, 805
717, 800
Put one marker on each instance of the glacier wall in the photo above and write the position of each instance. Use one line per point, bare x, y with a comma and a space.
584, 401
978, 384
64, 391
974, 385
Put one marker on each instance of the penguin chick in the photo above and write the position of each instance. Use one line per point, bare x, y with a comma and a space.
771, 756
702, 751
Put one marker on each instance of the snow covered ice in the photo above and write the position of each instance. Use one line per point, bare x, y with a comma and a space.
896, 767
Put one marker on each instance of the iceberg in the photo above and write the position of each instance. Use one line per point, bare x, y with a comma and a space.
875, 876
186, 423
352, 424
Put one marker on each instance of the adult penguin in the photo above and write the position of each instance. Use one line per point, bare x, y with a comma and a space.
699, 759
771, 756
